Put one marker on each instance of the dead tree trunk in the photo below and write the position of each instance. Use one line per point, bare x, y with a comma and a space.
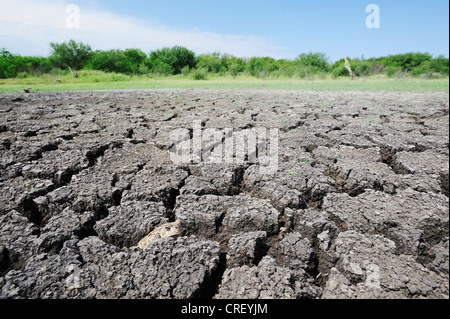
74, 74
349, 68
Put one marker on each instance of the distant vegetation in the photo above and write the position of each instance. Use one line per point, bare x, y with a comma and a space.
181, 61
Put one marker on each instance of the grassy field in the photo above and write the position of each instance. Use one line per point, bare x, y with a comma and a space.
91, 80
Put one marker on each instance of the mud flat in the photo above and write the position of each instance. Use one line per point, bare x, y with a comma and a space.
358, 207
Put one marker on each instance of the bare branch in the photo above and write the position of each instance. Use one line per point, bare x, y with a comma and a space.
362, 59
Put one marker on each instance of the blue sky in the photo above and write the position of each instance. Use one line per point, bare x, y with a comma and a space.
281, 29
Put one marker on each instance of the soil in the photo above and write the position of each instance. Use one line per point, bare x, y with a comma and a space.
358, 207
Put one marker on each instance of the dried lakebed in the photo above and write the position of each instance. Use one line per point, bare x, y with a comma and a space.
358, 207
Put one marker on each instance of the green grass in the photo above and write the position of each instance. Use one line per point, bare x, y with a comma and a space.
95, 80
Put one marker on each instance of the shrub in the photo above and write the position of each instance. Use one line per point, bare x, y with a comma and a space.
130, 61
361, 68
235, 68
377, 67
392, 70
210, 62
12, 65
186, 71
338, 69
439, 65
8, 64
111, 61
407, 61
305, 72
233, 64
200, 74
314, 61
58, 72
143, 69
261, 67
177, 58
23, 75
162, 68
287, 68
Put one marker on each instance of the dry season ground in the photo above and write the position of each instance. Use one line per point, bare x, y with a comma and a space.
358, 207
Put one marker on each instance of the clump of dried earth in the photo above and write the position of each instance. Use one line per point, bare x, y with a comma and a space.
358, 207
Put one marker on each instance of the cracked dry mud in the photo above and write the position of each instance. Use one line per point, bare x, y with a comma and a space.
357, 209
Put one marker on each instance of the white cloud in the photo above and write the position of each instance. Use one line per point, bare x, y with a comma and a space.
28, 26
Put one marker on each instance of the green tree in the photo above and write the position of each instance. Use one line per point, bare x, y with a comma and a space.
8, 64
136, 58
70, 54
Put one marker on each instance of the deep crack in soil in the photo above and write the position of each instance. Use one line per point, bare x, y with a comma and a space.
358, 207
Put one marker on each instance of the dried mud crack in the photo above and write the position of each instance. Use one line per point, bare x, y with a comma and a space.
358, 207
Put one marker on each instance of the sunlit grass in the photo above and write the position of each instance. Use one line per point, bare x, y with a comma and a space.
97, 80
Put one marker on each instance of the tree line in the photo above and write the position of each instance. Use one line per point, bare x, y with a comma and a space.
180, 60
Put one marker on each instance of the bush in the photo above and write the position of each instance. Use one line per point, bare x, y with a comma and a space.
439, 65
108, 61
162, 68
392, 70
363, 69
235, 67
13, 65
210, 62
314, 61
338, 69
23, 75
200, 74
377, 67
261, 67
179, 60
8, 65
34, 65
407, 61
305, 72
143, 69
176, 58
58, 72
360, 67
221, 63
233, 64
287, 68
186, 71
